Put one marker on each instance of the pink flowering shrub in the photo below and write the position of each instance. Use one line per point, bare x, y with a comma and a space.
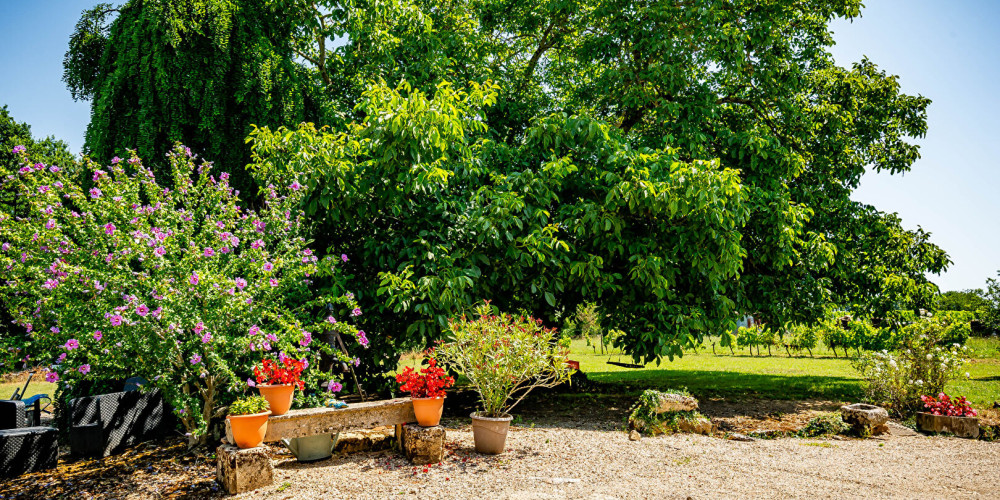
179, 284
944, 405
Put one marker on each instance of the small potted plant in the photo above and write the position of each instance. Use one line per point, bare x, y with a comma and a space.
945, 414
504, 357
277, 380
426, 389
248, 421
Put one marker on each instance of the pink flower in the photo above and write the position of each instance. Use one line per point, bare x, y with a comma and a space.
98, 335
71, 344
193, 279
50, 284
343, 257
195, 359
331, 320
51, 224
306, 339
160, 251
295, 186
109, 229
116, 319
206, 338
251, 383
240, 283
51, 377
84, 369
334, 386
254, 330
268, 266
363, 339
61, 358
273, 282
200, 327
209, 252
142, 310
95, 193
257, 245
356, 312
18, 149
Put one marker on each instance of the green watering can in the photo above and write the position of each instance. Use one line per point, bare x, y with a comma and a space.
312, 448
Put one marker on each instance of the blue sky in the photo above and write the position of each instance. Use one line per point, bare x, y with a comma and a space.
947, 51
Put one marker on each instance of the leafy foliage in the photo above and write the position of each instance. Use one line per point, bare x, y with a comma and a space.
504, 357
182, 285
827, 424
249, 405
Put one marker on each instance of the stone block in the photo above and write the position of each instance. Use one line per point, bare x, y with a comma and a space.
865, 420
697, 425
963, 427
423, 445
243, 470
667, 402
364, 440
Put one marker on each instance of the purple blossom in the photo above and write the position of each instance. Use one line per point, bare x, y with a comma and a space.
331, 320
61, 358
334, 386
240, 283
254, 330
5, 247
18, 149
98, 335
50, 224
116, 319
142, 310
95, 193
363, 339
251, 383
343, 257
356, 312
268, 266
84, 369
54, 169
54, 329
51, 377
306, 339
206, 338
356, 361
160, 251
43, 189
195, 359
224, 249
115, 160
50, 284
109, 229
71, 344
266, 346
273, 282
200, 327
193, 279
272, 337
209, 252
257, 245
295, 186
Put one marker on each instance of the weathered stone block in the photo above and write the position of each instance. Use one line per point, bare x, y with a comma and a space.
963, 427
243, 470
667, 402
696, 425
865, 420
423, 445
364, 440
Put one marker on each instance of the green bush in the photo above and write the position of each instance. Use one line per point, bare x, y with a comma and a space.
756, 336
799, 337
249, 406
827, 424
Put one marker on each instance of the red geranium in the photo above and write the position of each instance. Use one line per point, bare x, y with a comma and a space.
287, 371
944, 405
429, 382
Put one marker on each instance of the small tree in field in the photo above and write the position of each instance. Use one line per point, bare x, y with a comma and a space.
180, 285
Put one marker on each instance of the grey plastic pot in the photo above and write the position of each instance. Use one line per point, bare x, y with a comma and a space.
490, 434
312, 448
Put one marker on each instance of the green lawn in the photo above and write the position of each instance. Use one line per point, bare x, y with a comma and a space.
774, 377
35, 387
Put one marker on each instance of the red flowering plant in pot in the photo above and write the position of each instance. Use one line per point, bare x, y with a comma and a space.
944, 414
426, 388
277, 381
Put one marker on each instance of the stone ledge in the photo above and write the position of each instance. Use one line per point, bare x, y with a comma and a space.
243, 470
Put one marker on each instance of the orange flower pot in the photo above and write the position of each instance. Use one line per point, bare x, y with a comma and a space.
248, 430
428, 410
279, 397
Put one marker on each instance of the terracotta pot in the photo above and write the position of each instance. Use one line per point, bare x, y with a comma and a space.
490, 434
248, 430
278, 396
428, 410
963, 427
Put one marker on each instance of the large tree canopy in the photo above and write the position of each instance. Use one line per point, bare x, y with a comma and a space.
677, 161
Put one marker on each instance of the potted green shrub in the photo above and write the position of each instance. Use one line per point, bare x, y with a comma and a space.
248, 421
504, 357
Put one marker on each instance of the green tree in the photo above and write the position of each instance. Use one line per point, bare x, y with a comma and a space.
965, 300
989, 311
200, 72
744, 93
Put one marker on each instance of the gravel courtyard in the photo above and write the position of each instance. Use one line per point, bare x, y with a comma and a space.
599, 462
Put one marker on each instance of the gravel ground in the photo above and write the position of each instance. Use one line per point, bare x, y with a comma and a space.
599, 462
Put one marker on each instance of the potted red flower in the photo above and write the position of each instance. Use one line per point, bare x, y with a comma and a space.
277, 380
945, 414
426, 389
